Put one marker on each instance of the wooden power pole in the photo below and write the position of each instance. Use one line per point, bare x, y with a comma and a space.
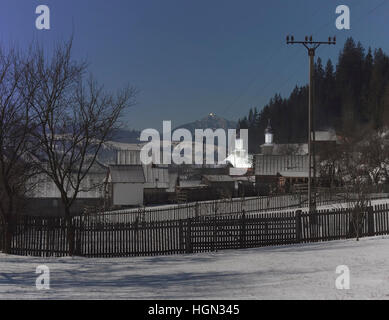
311, 46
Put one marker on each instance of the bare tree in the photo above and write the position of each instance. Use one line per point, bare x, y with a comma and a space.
354, 171
16, 127
75, 118
375, 150
356, 178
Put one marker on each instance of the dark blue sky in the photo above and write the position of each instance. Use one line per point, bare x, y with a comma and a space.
192, 57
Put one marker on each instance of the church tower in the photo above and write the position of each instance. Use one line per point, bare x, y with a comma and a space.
269, 134
267, 148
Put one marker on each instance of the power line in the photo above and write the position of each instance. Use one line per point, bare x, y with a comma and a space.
255, 78
293, 75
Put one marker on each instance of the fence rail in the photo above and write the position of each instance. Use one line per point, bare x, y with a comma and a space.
38, 236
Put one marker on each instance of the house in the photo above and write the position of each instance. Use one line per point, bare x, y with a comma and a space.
128, 153
223, 185
293, 181
193, 193
284, 167
126, 185
160, 184
271, 148
269, 168
45, 197
325, 141
113, 152
245, 186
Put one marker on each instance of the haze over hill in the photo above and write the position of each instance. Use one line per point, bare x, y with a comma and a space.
211, 121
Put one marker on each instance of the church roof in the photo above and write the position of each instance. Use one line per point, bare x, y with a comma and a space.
271, 165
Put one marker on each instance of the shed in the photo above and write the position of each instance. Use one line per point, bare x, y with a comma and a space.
127, 184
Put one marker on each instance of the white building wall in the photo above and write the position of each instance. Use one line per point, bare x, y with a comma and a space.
128, 157
269, 138
156, 177
127, 194
92, 184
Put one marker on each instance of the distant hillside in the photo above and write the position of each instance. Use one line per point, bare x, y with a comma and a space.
211, 121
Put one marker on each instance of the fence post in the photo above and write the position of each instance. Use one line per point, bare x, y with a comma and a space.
1, 235
370, 221
214, 236
298, 226
189, 246
80, 236
144, 215
181, 237
243, 231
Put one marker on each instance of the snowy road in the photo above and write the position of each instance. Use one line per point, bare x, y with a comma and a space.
288, 272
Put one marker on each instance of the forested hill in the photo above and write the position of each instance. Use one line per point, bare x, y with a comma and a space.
348, 97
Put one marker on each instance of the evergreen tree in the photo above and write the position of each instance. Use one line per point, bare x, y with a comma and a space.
354, 96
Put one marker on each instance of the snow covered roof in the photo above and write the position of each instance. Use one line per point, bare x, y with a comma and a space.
244, 178
127, 174
294, 174
124, 146
329, 135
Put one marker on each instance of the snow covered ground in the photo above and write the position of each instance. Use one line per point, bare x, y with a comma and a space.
332, 206
288, 272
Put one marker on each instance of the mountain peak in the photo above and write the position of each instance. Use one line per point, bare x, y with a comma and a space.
211, 121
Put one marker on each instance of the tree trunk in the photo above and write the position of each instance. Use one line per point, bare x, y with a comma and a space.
9, 221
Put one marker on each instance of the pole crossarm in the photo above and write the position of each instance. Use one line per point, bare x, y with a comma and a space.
309, 41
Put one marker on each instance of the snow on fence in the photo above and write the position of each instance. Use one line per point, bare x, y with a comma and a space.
224, 207
203, 208
38, 236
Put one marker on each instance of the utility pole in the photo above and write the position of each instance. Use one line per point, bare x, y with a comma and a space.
311, 46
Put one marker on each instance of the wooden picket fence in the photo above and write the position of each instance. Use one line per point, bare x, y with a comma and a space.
38, 236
